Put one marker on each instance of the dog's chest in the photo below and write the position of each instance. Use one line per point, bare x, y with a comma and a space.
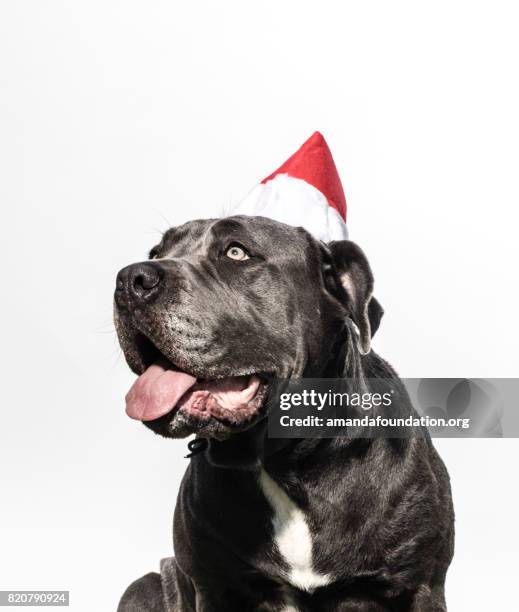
292, 537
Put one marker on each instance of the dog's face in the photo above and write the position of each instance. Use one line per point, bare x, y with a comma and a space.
223, 306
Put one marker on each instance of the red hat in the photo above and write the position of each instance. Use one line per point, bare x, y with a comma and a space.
305, 191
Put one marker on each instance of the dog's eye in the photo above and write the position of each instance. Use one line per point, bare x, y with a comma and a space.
236, 252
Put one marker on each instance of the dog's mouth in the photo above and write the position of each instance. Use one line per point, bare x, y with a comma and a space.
163, 390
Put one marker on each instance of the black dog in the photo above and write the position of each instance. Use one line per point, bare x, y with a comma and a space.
222, 309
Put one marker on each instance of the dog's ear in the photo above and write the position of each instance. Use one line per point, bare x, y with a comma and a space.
351, 268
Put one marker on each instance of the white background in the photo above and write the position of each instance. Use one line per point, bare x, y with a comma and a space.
119, 117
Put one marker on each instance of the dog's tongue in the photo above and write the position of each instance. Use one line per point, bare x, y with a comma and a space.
156, 392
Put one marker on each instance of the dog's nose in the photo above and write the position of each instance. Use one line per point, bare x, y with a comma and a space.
138, 283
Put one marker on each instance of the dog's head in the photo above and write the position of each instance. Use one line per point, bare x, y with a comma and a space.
223, 306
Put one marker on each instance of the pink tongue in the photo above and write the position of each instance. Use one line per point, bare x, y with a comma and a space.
156, 392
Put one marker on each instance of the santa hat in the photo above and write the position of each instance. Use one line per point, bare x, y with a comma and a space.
305, 191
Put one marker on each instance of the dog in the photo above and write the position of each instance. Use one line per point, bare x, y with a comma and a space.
221, 310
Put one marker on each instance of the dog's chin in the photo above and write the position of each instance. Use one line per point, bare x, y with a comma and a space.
175, 402
181, 423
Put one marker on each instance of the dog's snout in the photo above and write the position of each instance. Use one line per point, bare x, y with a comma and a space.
138, 283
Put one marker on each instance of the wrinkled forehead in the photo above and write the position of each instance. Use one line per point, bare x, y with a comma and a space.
256, 233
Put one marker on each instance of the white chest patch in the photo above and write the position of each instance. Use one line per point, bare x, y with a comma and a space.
292, 537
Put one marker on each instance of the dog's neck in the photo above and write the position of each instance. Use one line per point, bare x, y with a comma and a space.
252, 448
